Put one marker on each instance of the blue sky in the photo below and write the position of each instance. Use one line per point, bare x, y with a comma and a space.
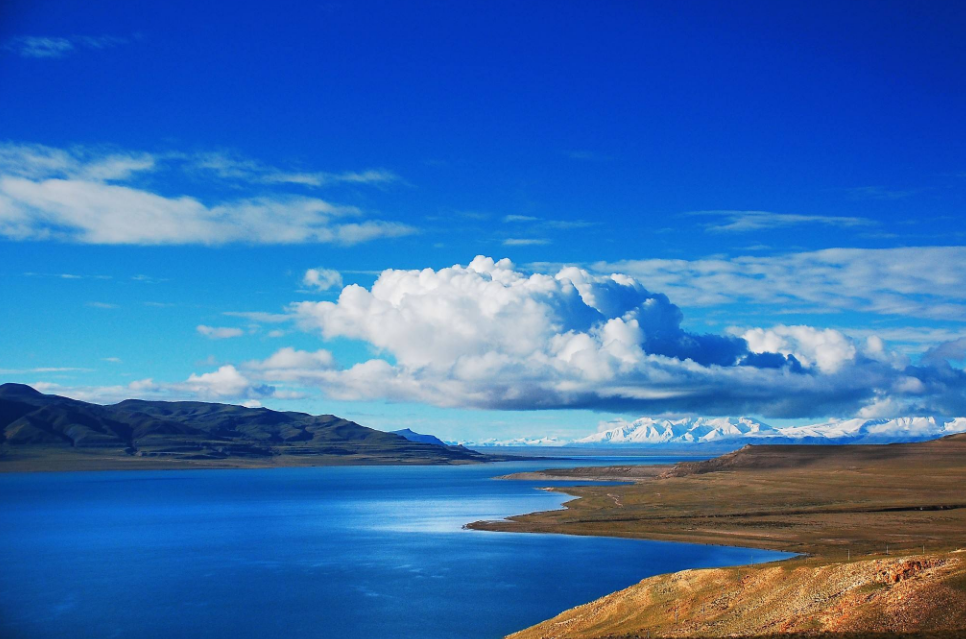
769, 167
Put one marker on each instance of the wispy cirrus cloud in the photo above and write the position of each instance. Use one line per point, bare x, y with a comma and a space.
43, 369
879, 193
260, 317
912, 281
91, 197
39, 162
526, 241
746, 221
140, 278
219, 332
231, 166
530, 230
52, 47
538, 223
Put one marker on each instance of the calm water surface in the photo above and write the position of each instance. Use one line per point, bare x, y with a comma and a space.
302, 552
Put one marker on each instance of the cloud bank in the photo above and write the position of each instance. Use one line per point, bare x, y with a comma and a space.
490, 335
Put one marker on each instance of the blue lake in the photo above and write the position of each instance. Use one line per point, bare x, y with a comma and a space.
303, 552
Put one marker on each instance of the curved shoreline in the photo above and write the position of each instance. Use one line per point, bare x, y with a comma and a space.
846, 511
501, 525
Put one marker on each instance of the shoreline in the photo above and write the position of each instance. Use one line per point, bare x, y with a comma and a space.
492, 525
851, 515
20, 463
501, 525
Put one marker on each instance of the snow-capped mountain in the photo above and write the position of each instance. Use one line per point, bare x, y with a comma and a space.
737, 431
700, 430
690, 430
520, 441
876, 431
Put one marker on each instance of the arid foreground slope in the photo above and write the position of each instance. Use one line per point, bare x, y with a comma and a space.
880, 525
868, 597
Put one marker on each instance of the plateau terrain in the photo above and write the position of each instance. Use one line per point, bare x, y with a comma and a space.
880, 531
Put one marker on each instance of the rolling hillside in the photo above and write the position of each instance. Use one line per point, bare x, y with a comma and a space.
49, 432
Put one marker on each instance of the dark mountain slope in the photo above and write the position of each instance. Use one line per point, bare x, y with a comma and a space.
51, 432
418, 437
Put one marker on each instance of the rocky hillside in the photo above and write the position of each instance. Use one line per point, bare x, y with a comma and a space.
888, 595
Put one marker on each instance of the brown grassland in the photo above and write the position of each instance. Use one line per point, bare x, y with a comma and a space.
879, 529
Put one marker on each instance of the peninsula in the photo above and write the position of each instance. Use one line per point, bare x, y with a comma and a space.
880, 530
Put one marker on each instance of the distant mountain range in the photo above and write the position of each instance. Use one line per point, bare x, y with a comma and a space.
720, 431
41, 432
520, 442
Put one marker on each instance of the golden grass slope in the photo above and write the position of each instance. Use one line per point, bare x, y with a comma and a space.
904, 595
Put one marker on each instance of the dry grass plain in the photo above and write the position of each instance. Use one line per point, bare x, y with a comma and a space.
859, 515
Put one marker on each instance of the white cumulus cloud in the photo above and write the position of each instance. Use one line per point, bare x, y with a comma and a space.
827, 349
294, 366
224, 383
494, 336
322, 279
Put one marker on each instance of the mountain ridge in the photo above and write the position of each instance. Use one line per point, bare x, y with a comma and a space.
47, 432
413, 436
697, 430
735, 431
